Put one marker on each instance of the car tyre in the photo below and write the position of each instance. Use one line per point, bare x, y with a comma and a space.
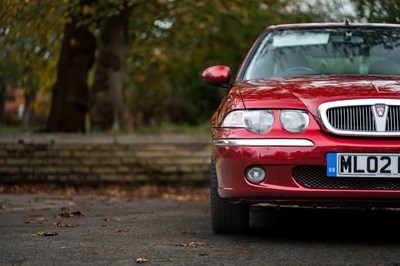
226, 217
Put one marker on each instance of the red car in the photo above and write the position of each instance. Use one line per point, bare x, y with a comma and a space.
312, 118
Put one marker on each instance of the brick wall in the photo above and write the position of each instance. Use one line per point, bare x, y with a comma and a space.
84, 158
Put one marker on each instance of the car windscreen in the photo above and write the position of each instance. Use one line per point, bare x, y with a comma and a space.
316, 51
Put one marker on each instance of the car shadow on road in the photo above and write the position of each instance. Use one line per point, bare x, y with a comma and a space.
326, 224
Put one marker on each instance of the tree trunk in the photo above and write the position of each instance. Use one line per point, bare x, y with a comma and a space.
3, 88
28, 115
69, 104
107, 100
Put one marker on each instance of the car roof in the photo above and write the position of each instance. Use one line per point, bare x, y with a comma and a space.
331, 24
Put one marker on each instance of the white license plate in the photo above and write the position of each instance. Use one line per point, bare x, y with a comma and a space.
363, 165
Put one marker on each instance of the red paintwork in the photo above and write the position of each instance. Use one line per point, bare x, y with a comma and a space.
231, 163
299, 93
306, 93
216, 75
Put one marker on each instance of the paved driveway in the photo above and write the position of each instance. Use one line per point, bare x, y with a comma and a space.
97, 230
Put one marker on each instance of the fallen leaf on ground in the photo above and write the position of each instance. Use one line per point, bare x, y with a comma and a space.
141, 260
121, 230
69, 214
41, 219
58, 224
187, 233
191, 244
48, 233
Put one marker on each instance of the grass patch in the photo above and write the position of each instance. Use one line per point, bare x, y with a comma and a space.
16, 129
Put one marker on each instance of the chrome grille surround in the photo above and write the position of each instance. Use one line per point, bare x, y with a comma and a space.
363, 117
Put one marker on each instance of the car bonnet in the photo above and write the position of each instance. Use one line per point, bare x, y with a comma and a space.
308, 92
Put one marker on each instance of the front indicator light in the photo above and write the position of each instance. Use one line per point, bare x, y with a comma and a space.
255, 174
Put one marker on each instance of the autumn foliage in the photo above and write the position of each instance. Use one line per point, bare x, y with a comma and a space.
148, 55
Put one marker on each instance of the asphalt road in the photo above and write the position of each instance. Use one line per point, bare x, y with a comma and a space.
95, 230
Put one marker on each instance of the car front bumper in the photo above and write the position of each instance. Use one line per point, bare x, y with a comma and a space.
296, 171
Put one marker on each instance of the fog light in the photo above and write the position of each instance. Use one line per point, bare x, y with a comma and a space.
255, 174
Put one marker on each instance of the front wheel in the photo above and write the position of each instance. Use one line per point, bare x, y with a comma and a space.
226, 217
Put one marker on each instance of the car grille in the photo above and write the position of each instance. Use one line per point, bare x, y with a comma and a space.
371, 117
353, 118
315, 177
393, 119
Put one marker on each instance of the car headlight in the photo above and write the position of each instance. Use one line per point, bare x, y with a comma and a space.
257, 121
294, 121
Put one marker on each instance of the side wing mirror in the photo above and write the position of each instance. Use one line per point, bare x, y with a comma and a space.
217, 76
